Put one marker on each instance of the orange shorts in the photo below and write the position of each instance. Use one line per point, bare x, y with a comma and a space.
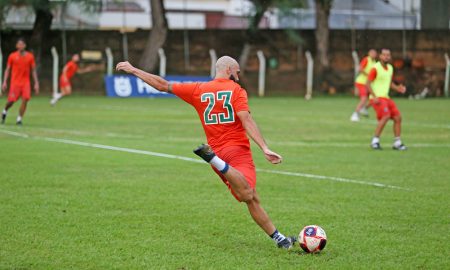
385, 107
362, 90
240, 158
19, 91
63, 83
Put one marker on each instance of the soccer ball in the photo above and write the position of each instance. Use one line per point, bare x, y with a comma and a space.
312, 239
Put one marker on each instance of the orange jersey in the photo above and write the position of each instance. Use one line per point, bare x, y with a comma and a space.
71, 68
217, 103
21, 66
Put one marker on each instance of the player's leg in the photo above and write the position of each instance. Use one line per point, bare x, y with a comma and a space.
261, 218
383, 116
8, 105
397, 118
361, 103
14, 94
22, 110
245, 193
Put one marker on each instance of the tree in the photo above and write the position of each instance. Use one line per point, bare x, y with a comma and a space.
43, 20
157, 37
323, 8
253, 33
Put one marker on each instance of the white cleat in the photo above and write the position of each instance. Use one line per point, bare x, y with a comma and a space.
354, 117
364, 112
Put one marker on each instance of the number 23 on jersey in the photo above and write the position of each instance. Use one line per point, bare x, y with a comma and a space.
218, 118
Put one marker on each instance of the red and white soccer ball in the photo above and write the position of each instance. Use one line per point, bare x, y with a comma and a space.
312, 239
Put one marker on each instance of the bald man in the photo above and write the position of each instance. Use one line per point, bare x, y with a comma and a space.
222, 106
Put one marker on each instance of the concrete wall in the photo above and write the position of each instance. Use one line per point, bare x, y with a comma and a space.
425, 52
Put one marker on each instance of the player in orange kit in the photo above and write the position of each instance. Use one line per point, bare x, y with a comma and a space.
222, 107
20, 64
69, 70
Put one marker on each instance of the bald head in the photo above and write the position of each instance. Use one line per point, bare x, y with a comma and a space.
227, 67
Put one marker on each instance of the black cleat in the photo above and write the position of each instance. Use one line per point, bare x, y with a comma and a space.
19, 123
288, 242
376, 146
401, 147
3, 118
205, 152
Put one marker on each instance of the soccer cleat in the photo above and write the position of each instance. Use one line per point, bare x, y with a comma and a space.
354, 117
3, 118
205, 152
400, 147
288, 242
376, 146
19, 123
364, 112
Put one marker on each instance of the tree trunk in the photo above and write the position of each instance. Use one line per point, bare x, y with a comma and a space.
322, 33
252, 33
157, 37
41, 28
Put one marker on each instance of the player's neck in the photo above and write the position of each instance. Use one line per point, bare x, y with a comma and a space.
21, 52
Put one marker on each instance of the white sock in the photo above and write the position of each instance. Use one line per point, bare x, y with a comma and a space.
397, 141
19, 118
4, 111
277, 236
375, 140
219, 164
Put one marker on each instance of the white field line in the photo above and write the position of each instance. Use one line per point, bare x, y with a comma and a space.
349, 144
196, 160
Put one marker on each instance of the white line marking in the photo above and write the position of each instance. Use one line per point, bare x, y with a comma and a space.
17, 134
150, 153
349, 144
338, 179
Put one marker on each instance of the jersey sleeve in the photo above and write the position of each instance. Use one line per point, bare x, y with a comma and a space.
363, 63
372, 74
185, 91
240, 102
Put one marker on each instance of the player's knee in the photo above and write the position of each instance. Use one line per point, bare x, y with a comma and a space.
246, 195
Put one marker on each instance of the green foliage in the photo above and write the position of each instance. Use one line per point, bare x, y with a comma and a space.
73, 207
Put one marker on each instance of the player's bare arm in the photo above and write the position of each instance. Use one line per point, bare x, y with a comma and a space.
253, 131
36, 81
151, 79
6, 77
370, 90
398, 87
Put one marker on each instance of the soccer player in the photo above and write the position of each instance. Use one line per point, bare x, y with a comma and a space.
68, 72
222, 106
20, 64
360, 83
378, 84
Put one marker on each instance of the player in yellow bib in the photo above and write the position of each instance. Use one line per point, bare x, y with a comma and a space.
379, 83
365, 66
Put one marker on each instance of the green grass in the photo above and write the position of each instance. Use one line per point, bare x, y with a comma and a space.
66, 206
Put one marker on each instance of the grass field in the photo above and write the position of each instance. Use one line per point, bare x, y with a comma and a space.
65, 204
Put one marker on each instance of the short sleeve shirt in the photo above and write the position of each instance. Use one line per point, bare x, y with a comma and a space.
217, 103
21, 66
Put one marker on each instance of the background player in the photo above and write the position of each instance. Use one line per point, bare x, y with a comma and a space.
20, 64
378, 84
360, 83
223, 110
68, 72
